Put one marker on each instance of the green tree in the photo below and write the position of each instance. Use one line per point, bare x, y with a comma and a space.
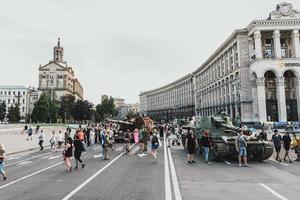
67, 104
82, 110
13, 114
2, 111
105, 109
45, 109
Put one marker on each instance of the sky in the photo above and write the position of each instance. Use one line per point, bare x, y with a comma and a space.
119, 47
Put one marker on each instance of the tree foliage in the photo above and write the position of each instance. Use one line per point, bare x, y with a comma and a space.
13, 114
82, 110
2, 111
45, 110
67, 103
105, 109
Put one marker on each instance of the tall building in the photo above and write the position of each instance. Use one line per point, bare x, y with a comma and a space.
22, 96
58, 78
174, 100
254, 74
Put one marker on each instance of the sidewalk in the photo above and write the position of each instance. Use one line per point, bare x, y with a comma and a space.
14, 141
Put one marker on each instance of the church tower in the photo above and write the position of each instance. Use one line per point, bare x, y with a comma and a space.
58, 52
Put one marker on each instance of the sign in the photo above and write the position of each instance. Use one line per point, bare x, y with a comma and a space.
52, 79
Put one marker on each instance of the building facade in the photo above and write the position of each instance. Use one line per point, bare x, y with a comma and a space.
57, 78
170, 101
253, 75
22, 96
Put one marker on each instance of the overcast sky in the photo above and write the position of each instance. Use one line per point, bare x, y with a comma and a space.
119, 47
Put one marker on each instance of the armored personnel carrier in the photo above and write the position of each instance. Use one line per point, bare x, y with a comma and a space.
223, 135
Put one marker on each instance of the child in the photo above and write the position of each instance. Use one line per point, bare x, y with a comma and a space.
2, 156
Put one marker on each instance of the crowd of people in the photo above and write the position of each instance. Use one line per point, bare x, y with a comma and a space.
72, 143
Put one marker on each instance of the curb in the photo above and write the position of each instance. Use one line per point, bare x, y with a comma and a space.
22, 151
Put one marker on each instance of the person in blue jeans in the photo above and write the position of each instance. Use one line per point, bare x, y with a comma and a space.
206, 145
241, 147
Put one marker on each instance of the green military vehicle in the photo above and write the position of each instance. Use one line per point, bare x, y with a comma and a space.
223, 135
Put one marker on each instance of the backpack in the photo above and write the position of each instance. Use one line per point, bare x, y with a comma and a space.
155, 140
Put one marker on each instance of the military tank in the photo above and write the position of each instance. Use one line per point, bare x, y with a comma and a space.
223, 135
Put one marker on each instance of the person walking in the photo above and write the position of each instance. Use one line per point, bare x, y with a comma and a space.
2, 157
191, 146
78, 151
277, 140
136, 136
37, 129
286, 140
127, 141
206, 145
41, 139
92, 136
29, 131
68, 152
60, 140
154, 144
241, 148
52, 141
106, 145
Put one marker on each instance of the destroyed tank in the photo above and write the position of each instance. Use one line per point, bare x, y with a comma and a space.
223, 135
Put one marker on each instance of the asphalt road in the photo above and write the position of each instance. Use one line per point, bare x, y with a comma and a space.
41, 175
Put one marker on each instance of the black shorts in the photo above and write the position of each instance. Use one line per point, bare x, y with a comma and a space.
287, 147
59, 143
277, 149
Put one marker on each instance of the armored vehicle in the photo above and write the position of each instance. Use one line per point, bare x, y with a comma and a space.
223, 135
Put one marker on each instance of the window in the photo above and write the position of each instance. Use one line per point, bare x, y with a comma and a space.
14, 93
23, 100
19, 93
24, 93
8, 101
23, 109
13, 100
9, 93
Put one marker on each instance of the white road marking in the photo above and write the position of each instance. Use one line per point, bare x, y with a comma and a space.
142, 155
54, 157
176, 188
228, 163
273, 192
271, 159
97, 156
168, 195
13, 163
25, 162
30, 175
12, 158
92, 177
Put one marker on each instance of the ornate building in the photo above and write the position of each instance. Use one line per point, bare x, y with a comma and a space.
254, 74
58, 78
170, 101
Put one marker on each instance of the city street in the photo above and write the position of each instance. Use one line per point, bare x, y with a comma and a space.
41, 175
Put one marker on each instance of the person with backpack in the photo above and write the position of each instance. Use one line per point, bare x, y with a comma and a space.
154, 144
78, 151
68, 153
127, 137
29, 133
206, 145
241, 147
